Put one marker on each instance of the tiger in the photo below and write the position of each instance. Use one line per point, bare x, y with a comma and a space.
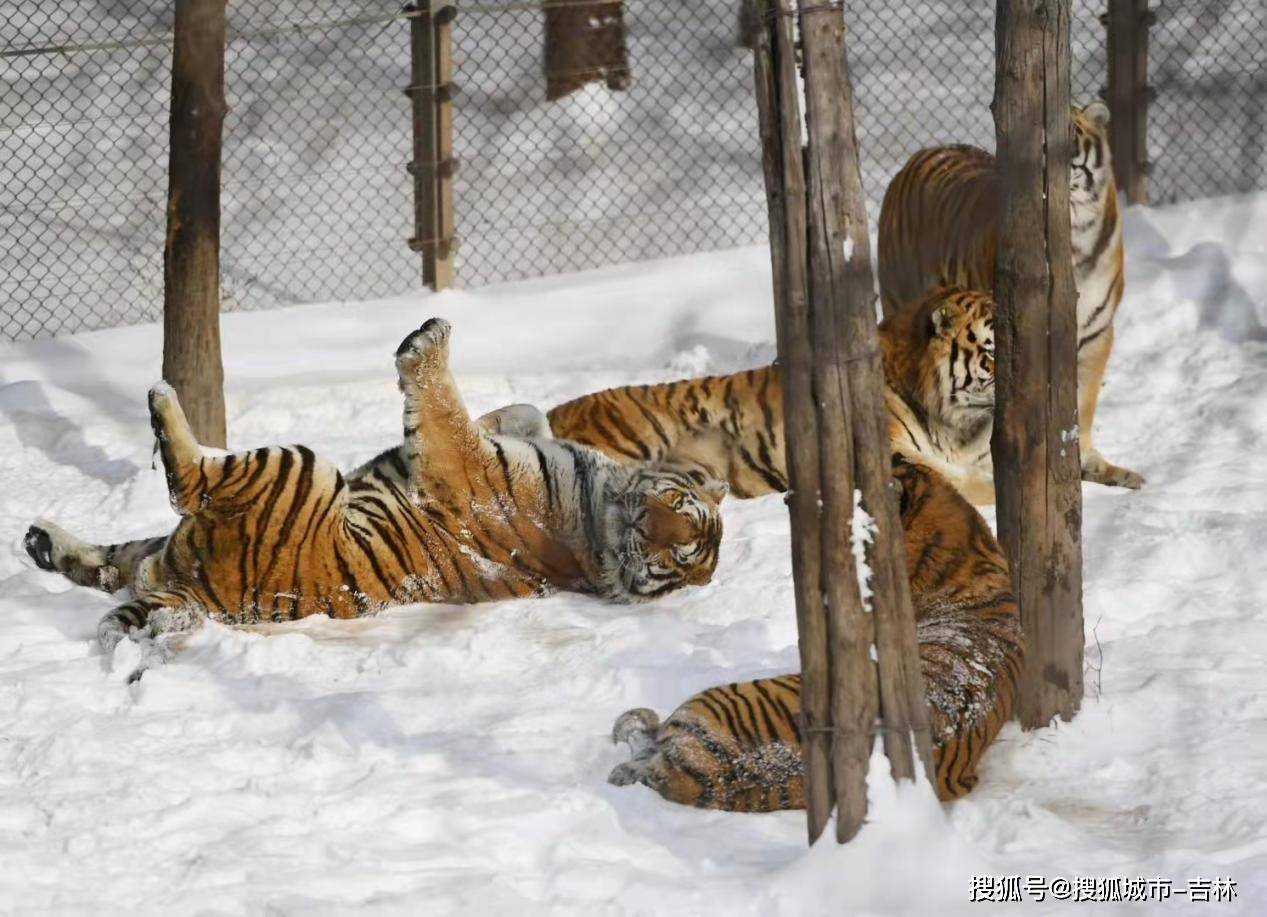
938, 227
938, 363
738, 746
455, 514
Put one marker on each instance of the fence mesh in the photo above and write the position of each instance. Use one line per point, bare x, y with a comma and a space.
316, 201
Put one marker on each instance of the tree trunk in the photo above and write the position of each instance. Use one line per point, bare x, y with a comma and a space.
1128, 95
1035, 448
584, 43
191, 257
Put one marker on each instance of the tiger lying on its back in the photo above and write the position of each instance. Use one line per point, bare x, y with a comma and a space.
938, 227
453, 515
939, 372
738, 746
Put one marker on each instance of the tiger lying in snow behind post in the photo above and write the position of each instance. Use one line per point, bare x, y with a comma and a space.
939, 391
738, 746
938, 227
453, 515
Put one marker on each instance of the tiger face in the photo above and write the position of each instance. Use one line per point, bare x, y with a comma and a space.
960, 354
665, 530
1091, 168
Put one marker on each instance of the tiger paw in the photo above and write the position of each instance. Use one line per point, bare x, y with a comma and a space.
627, 774
427, 347
39, 545
1099, 470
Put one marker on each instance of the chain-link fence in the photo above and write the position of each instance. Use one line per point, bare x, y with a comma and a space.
317, 204
1208, 70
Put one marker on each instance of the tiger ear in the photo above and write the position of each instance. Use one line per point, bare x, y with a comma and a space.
1097, 113
715, 490
942, 318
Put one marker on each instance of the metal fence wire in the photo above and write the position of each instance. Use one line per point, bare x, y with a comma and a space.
316, 201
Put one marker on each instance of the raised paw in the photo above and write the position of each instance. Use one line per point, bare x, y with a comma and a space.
426, 346
39, 544
1099, 470
629, 773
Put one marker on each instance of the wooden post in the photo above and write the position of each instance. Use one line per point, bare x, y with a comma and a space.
191, 255
1128, 94
446, 243
835, 426
779, 116
430, 94
584, 43
1035, 449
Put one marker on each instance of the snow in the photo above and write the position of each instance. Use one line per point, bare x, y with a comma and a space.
444, 759
862, 531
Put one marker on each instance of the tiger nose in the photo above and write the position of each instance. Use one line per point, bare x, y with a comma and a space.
664, 526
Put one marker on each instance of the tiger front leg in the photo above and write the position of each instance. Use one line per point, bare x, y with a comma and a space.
441, 441
105, 567
1092, 363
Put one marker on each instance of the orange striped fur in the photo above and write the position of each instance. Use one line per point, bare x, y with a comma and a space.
939, 368
453, 515
738, 746
939, 226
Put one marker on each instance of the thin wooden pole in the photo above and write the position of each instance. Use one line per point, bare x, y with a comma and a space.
856, 454
1128, 94
836, 428
1035, 450
191, 255
421, 92
778, 107
903, 705
446, 241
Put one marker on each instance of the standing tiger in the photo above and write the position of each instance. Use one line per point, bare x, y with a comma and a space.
453, 515
738, 746
938, 361
938, 227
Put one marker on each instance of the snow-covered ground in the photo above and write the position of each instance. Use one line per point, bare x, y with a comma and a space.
438, 758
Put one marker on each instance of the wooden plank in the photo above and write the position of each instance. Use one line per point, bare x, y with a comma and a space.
191, 255
1036, 465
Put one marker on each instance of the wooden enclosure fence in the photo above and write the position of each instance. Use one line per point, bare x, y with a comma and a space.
857, 661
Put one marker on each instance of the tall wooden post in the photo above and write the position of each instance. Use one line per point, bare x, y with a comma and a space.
779, 113
430, 94
191, 255
837, 438
1128, 94
1035, 448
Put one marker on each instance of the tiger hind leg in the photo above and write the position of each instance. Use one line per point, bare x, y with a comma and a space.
637, 728
156, 621
105, 567
183, 458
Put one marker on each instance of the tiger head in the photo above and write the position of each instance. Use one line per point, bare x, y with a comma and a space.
664, 530
1091, 168
956, 372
